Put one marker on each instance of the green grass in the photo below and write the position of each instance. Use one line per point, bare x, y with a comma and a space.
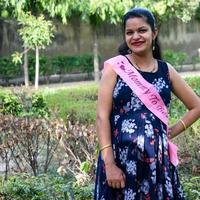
77, 103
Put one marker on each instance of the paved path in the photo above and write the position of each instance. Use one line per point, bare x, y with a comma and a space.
82, 83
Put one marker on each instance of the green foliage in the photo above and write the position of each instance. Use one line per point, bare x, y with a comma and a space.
48, 66
69, 102
83, 193
177, 109
17, 58
43, 187
191, 187
183, 9
175, 58
9, 104
23, 104
197, 14
195, 60
85, 166
189, 141
8, 70
35, 31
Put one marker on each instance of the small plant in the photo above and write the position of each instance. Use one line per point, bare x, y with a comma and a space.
43, 187
191, 187
175, 58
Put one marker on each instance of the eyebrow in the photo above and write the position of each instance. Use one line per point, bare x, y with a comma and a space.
138, 28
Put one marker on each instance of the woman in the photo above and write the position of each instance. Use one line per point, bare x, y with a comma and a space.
135, 162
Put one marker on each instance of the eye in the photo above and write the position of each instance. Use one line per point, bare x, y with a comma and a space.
142, 30
129, 32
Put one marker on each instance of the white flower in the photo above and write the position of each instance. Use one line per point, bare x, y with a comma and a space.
149, 129
131, 167
135, 103
140, 142
116, 118
153, 169
168, 186
160, 84
118, 87
145, 186
129, 194
123, 153
129, 126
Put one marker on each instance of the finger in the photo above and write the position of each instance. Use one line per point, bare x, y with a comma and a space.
122, 184
113, 185
124, 177
109, 183
118, 185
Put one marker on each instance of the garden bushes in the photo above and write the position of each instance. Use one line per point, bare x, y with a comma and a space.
57, 65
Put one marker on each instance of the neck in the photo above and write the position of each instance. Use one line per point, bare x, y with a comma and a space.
142, 60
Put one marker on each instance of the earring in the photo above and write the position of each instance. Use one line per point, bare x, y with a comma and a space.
129, 51
153, 45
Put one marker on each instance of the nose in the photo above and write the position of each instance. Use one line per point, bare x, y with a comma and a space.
135, 35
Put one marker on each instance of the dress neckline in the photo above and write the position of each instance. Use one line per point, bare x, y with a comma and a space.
141, 70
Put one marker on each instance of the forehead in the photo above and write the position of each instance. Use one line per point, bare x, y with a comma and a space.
136, 22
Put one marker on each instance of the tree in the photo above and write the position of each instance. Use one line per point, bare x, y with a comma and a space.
164, 10
92, 11
13, 9
36, 33
99, 11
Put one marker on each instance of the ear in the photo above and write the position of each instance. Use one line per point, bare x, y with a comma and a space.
154, 34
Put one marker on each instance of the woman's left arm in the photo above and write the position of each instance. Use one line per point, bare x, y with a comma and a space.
185, 93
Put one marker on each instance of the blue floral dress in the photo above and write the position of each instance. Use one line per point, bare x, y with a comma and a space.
140, 146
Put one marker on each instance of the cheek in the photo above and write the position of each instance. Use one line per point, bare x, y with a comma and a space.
127, 38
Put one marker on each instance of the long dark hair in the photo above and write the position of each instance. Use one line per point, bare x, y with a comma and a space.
150, 19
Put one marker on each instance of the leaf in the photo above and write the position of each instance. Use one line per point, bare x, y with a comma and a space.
17, 58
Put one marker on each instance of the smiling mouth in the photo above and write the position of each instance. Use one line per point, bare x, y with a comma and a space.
137, 43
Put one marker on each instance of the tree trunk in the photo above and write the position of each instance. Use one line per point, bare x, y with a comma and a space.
95, 53
36, 68
5, 40
25, 67
76, 25
7, 165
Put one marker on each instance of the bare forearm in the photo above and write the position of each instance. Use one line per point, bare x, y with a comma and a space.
104, 138
188, 119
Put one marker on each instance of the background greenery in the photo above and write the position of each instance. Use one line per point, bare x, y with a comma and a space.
57, 65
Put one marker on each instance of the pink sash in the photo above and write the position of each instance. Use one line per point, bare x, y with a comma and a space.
146, 92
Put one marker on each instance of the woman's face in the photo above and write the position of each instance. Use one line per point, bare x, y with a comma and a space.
139, 35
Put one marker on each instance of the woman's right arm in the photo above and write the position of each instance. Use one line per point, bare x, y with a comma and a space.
115, 176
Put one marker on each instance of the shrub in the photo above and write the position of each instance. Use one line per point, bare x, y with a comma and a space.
22, 103
175, 58
48, 66
9, 70
29, 144
43, 187
191, 187
81, 161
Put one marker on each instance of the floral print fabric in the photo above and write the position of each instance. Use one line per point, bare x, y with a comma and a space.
140, 146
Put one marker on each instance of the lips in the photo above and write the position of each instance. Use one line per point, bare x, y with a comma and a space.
137, 43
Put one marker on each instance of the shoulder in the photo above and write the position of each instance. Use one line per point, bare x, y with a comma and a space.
168, 69
111, 63
173, 74
114, 59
